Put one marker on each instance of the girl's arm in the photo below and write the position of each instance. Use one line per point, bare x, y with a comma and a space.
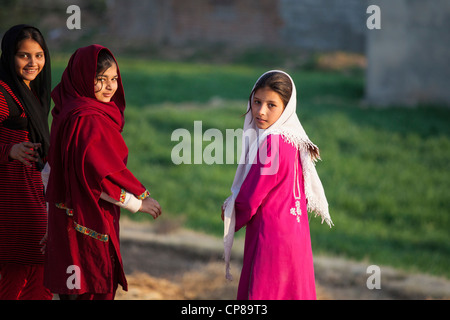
128, 201
116, 189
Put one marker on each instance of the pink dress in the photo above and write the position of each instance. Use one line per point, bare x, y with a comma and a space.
278, 261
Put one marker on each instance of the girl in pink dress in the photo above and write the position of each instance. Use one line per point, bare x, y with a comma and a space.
275, 186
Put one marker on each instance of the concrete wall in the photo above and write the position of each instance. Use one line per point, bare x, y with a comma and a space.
409, 57
309, 24
180, 22
324, 24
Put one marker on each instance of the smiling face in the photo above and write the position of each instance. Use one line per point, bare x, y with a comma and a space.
105, 84
267, 107
29, 60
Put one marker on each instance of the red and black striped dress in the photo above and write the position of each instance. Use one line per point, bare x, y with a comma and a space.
23, 214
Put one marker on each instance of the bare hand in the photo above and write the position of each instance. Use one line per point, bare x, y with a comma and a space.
151, 206
25, 152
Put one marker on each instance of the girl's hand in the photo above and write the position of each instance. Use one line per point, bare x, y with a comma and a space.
151, 206
25, 152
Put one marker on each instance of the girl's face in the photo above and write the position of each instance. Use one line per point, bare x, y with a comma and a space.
267, 107
105, 84
29, 60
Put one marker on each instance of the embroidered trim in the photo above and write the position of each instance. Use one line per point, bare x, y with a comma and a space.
145, 195
82, 229
123, 195
62, 206
297, 212
90, 232
316, 204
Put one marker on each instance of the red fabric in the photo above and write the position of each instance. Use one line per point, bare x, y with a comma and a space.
20, 282
23, 216
87, 152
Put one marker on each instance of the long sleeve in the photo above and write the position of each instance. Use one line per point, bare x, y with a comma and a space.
119, 196
114, 183
113, 193
5, 148
260, 180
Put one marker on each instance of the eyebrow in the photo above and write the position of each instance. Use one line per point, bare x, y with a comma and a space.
105, 76
41, 52
270, 101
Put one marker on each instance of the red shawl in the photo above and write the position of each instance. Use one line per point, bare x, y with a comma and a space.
86, 141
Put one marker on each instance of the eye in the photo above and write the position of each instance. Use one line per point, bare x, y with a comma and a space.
271, 105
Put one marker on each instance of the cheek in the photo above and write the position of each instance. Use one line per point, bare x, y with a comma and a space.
254, 109
41, 63
18, 65
97, 87
98, 95
114, 86
275, 115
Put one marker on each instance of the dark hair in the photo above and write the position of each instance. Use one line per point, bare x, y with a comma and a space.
278, 82
33, 34
104, 61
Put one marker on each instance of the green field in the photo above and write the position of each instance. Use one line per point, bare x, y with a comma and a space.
385, 171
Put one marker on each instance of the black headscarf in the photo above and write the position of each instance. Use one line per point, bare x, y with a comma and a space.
36, 102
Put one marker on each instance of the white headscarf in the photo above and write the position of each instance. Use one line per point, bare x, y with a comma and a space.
290, 128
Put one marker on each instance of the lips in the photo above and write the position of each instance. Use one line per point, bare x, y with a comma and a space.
261, 120
30, 71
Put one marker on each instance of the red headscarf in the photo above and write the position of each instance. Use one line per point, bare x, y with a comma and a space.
86, 144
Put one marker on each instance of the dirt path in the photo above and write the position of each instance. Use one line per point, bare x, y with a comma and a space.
163, 262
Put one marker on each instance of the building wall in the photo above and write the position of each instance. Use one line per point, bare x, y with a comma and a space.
408, 58
309, 24
324, 24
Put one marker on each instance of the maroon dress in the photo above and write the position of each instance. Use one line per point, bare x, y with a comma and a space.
87, 157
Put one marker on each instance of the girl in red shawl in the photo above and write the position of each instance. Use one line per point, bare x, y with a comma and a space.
89, 180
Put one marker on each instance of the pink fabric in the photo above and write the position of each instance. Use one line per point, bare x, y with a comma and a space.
278, 261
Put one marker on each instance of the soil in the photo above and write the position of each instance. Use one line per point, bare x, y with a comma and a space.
164, 261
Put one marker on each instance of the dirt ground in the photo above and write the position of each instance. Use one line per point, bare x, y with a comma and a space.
167, 262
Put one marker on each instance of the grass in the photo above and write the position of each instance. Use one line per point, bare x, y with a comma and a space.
385, 171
